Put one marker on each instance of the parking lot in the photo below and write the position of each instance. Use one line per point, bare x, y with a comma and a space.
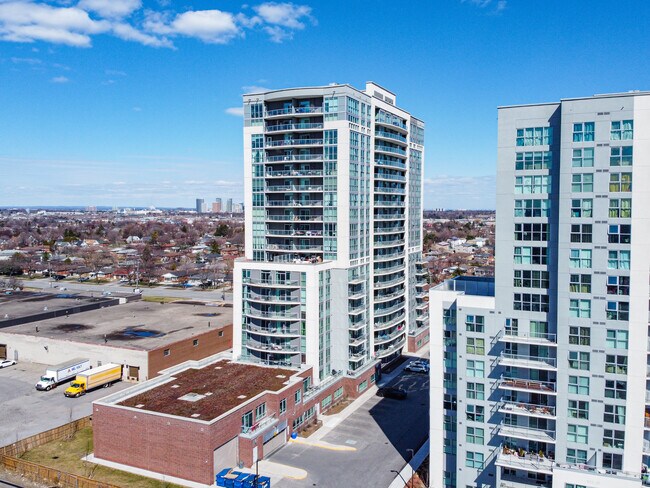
381, 430
24, 411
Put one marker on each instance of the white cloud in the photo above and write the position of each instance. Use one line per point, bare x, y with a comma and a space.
211, 26
254, 89
31, 61
468, 192
127, 32
284, 14
59, 79
236, 111
111, 8
499, 5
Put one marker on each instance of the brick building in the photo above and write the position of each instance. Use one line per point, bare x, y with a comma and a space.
202, 416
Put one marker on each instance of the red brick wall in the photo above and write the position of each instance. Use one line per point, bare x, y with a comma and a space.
210, 342
413, 341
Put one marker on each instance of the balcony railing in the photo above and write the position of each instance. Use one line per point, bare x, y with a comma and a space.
383, 338
253, 430
389, 243
390, 149
527, 433
383, 352
389, 203
384, 176
389, 230
509, 335
294, 203
295, 233
389, 162
273, 347
389, 269
272, 298
294, 157
295, 218
277, 315
286, 127
395, 216
507, 458
384, 189
294, 142
390, 135
380, 297
382, 325
532, 386
283, 188
527, 409
277, 331
294, 110
294, 247
260, 282
389, 283
294, 172
529, 362
380, 312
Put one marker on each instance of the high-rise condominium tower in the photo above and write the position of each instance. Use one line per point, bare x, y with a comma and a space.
545, 374
333, 275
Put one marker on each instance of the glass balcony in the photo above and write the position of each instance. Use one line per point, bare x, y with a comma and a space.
272, 298
529, 386
378, 285
387, 324
389, 203
294, 203
294, 111
294, 218
394, 191
384, 352
293, 172
384, 270
294, 188
396, 229
307, 126
389, 256
380, 297
390, 135
528, 362
357, 309
527, 409
508, 458
526, 433
381, 311
293, 157
277, 315
293, 142
390, 149
383, 338
392, 121
395, 216
357, 341
355, 326
539, 338
389, 177
389, 243
510, 481
357, 356
272, 347
389, 161
272, 283
273, 332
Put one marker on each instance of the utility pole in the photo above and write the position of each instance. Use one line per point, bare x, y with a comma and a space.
412, 467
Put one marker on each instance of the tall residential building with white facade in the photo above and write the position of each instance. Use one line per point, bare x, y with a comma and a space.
545, 374
333, 274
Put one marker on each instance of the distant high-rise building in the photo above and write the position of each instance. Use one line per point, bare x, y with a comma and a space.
229, 205
333, 274
541, 375
200, 205
216, 206
238, 208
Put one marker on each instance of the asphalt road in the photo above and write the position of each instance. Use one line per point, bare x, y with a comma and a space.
382, 430
158, 291
25, 411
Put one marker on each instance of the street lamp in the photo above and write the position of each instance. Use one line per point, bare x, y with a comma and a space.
400, 475
412, 467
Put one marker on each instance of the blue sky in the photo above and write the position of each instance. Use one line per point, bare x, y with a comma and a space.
136, 102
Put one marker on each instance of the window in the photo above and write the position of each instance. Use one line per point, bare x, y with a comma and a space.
583, 132
620, 156
166, 352
533, 160
474, 460
283, 405
617, 339
616, 389
475, 346
531, 279
581, 232
614, 414
530, 302
338, 393
475, 435
580, 258
576, 456
618, 259
614, 438
532, 184
532, 208
580, 283
247, 421
297, 397
449, 402
475, 369
530, 255
577, 433
362, 386
579, 385
195, 342
620, 208
573, 485
618, 311
622, 130
531, 232
583, 158
579, 409
475, 323
621, 182
449, 446
475, 413
580, 336
615, 364
221, 333
582, 183
582, 207
475, 391
260, 412
535, 136
580, 308
449, 423
619, 234
326, 402
257, 110
612, 461
579, 360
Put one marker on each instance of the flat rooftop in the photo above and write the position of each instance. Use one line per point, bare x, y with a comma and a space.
136, 325
208, 392
25, 303
470, 285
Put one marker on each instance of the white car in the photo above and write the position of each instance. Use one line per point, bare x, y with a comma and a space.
417, 367
5, 363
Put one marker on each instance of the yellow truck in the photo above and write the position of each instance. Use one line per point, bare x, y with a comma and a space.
94, 378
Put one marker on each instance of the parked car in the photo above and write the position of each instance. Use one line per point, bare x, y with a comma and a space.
417, 367
5, 363
392, 392
83, 279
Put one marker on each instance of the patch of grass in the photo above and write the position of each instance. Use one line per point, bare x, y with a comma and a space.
66, 455
160, 299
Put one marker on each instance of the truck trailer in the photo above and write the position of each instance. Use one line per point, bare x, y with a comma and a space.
88, 380
55, 375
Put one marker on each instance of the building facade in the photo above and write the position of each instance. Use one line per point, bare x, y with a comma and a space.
546, 385
333, 275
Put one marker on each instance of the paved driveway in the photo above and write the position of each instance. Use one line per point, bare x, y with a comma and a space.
25, 411
381, 430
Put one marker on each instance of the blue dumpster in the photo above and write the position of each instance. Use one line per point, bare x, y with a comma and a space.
221, 476
230, 479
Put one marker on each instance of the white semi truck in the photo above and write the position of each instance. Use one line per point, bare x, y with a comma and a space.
55, 375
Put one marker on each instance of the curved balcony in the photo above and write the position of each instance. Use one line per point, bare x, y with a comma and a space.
294, 218
272, 283
389, 243
389, 257
390, 203
272, 332
384, 352
392, 150
288, 173
528, 386
389, 177
383, 338
357, 309
389, 323
386, 311
390, 216
526, 433
294, 203
294, 248
390, 191
281, 316
356, 357
294, 188
527, 362
273, 348
422, 272
391, 122
310, 126
354, 326
294, 233
272, 299
389, 161
379, 285
293, 157
293, 142
389, 269
391, 136
527, 410
395, 229
387, 297
304, 111
357, 341
537, 338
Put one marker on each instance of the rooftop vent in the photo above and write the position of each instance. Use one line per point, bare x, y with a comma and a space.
192, 397
195, 415
175, 386
281, 376
139, 405
241, 397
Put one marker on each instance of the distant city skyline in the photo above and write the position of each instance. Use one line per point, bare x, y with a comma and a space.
137, 102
